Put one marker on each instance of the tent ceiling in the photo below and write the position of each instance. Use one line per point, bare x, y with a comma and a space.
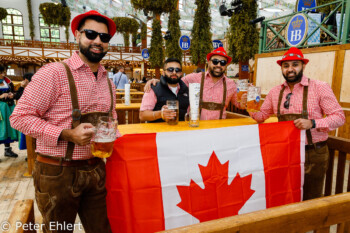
112, 8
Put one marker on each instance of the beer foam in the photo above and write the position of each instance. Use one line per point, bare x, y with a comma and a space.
103, 140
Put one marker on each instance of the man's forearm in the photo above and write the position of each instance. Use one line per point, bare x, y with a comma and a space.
149, 115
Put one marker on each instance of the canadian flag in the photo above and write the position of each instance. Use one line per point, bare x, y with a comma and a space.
166, 180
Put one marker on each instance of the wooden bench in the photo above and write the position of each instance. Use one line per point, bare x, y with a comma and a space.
22, 212
318, 214
338, 149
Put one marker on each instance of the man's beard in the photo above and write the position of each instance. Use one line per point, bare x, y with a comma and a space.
296, 79
219, 75
91, 56
171, 80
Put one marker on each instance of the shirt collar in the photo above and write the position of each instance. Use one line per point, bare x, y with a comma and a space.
304, 82
77, 63
207, 75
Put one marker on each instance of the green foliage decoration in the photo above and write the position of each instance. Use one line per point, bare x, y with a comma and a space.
243, 38
143, 31
55, 14
156, 6
134, 39
156, 50
172, 48
126, 26
201, 43
3, 13
326, 10
126, 36
31, 22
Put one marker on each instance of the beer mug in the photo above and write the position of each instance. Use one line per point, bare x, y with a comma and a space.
103, 140
253, 99
242, 87
173, 105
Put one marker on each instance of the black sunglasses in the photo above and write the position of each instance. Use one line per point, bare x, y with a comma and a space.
286, 104
91, 35
171, 70
217, 61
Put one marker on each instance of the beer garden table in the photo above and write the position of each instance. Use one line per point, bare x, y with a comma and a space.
136, 94
123, 90
131, 112
122, 162
182, 126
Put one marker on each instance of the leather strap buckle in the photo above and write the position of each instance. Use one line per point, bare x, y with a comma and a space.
76, 114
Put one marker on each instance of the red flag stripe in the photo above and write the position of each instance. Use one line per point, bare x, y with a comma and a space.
281, 162
133, 169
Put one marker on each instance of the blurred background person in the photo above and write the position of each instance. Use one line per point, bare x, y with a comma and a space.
120, 79
7, 104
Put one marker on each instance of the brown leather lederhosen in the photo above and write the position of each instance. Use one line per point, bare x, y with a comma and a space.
316, 154
78, 117
291, 117
211, 105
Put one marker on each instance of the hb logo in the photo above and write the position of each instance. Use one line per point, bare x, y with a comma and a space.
296, 35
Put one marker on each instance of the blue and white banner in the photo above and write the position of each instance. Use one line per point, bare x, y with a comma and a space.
338, 16
315, 38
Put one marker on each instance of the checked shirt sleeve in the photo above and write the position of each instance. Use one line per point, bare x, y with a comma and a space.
334, 114
30, 113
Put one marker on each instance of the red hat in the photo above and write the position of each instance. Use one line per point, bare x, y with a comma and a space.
221, 52
112, 28
293, 54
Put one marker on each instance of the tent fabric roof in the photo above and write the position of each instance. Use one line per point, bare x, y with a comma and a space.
121, 8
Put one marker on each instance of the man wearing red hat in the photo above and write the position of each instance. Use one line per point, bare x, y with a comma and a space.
217, 91
60, 108
305, 101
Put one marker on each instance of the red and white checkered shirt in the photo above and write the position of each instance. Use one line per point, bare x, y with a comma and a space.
45, 107
213, 92
321, 100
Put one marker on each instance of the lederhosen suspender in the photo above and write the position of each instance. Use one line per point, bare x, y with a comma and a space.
76, 113
304, 114
211, 105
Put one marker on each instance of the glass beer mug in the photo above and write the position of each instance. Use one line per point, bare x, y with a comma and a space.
173, 105
103, 140
253, 99
242, 87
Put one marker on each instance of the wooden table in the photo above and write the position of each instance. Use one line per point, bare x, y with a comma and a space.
128, 114
123, 90
136, 94
182, 126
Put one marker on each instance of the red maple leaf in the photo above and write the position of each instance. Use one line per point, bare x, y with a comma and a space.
217, 199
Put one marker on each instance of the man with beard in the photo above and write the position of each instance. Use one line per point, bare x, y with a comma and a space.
217, 91
305, 101
60, 108
171, 87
